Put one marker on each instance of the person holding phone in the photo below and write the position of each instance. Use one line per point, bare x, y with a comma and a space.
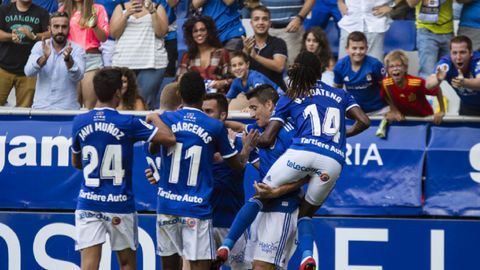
139, 27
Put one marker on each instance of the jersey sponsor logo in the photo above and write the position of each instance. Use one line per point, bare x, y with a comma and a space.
325, 146
369, 77
99, 116
177, 197
298, 167
102, 198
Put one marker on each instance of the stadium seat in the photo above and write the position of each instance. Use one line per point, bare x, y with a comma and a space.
401, 35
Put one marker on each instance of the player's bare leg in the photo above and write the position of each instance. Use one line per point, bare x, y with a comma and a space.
260, 265
200, 265
127, 259
90, 257
172, 262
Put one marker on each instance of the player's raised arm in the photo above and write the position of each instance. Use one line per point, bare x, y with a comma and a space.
362, 122
164, 134
267, 138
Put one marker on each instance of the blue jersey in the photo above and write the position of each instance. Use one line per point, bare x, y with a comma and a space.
227, 19
319, 120
267, 156
468, 96
254, 79
364, 84
105, 139
186, 180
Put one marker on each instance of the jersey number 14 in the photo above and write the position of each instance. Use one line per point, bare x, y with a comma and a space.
331, 121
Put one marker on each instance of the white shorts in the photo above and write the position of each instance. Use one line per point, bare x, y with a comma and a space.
191, 238
293, 165
92, 227
273, 238
236, 258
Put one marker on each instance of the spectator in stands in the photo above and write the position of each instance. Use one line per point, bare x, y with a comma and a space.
461, 69
287, 18
171, 38
370, 17
268, 54
245, 80
434, 20
131, 99
205, 54
88, 27
315, 41
59, 66
17, 37
401, 11
322, 11
405, 94
470, 22
139, 28
50, 5
108, 46
226, 15
361, 74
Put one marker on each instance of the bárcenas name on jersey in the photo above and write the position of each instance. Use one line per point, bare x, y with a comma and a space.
193, 128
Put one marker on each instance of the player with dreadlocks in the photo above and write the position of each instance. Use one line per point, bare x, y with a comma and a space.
318, 149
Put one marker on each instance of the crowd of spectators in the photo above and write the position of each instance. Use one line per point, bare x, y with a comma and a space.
50, 60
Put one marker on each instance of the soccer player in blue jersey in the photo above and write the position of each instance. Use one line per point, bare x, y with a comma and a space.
361, 74
461, 69
318, 148
184, 220
102, 145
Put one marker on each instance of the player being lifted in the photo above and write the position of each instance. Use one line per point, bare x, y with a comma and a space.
318, 148
184, 220
102, 145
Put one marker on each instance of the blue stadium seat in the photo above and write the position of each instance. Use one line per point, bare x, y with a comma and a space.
333, 36
401, 35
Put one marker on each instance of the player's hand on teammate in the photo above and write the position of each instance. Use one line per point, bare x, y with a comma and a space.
149, 175
250, 139
263, 191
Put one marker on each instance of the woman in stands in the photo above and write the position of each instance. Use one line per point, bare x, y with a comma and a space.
88, 27
205, 54
315, 41
131, 99
139, 27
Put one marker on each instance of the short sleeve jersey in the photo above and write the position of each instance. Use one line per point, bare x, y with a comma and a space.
409, 100
364, 84
105, 140
186, 179
319, 120
467, 96
254, 79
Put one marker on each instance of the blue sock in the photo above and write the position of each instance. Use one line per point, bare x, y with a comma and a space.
305, 236
244, 218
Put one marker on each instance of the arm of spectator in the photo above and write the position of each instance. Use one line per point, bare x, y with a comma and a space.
77, 68
436, 79
36, 60
159, 20
382, 10
197, 3
276, 64
183, 66
438, 116
471, 83
412, 3
394, 114
342, 7
297, 21
101, 27
362, 122
118, 22
6, 37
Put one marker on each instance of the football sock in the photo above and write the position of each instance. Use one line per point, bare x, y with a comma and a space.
244, 218
305, 236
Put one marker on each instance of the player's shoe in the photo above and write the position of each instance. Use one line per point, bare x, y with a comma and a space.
222, 255
308, 264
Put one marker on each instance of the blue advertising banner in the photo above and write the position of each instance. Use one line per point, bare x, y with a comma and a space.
452, 185
381, 176
46, 241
